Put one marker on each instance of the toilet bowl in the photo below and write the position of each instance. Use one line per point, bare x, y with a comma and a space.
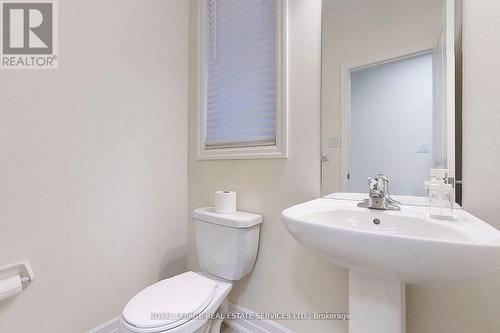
185, 303
190, 302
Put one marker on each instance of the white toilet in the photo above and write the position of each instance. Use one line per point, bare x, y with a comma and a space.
227, 246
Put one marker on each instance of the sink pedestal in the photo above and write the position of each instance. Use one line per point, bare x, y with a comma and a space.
376, 304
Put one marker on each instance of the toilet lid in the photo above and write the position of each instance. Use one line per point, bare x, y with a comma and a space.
170, 302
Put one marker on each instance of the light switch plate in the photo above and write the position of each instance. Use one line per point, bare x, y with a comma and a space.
423, 148
333, 141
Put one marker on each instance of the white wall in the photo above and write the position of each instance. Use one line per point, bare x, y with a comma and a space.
472, 306
287, 277
93, 164
357, 29
391, 116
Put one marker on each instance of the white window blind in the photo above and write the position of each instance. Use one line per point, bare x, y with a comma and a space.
241, 73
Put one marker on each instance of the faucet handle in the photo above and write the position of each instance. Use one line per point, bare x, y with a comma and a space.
376, 186
384, 181
387, 194
372, 182
383, 177
378, 182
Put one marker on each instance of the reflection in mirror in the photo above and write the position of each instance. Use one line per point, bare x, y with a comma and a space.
391, 124
388, 92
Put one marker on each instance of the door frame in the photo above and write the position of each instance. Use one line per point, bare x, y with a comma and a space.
346, 69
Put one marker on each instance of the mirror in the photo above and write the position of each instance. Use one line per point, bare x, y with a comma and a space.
388, 92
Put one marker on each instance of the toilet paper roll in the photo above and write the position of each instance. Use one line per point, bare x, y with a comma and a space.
10, 287
225, 202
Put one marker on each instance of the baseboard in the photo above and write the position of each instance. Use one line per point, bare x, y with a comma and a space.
252, 326
239, 325
111, 326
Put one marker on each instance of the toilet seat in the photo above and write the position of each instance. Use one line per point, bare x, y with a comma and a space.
169, 303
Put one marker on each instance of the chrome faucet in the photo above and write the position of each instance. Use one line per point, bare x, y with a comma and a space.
378, 194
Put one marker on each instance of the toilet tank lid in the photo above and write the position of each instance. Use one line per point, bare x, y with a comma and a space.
233, 220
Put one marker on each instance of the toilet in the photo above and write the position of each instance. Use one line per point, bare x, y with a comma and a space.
193, 302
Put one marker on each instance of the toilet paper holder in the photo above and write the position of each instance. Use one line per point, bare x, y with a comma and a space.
24, 270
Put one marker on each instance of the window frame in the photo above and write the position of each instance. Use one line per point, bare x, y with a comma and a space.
280, 149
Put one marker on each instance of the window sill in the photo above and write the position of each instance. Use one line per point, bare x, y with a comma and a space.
243, 153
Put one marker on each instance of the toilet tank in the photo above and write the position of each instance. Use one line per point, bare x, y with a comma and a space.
226, 244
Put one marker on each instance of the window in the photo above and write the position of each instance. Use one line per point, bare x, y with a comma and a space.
243, 84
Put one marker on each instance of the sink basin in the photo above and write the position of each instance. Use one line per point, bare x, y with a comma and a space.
407, 245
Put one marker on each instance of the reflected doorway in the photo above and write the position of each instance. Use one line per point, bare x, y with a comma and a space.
391, 124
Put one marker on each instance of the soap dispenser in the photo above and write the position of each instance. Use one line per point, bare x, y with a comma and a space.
441, 194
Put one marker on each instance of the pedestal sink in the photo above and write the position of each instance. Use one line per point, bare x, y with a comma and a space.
386, 249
